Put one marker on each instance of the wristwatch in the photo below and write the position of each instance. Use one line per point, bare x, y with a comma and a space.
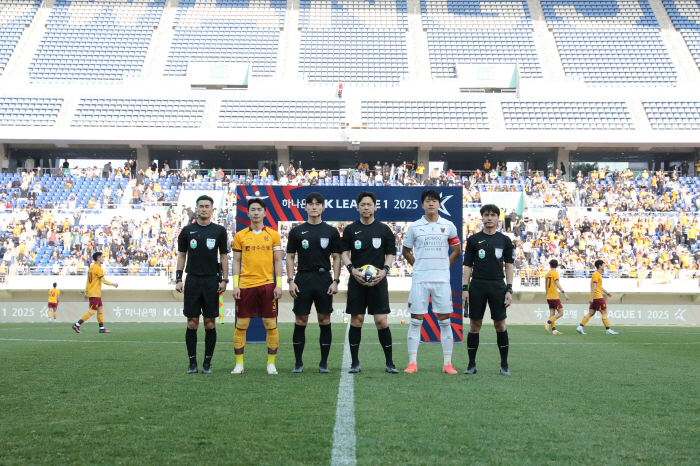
290, 280
350, 267
225, 280
337, 280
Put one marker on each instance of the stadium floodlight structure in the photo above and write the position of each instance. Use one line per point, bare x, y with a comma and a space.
394, 204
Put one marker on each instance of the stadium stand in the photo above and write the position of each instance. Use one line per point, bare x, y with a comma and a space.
15, 16
353, 41
424, 115
140, 113
281, 114
673, 115
29, 111
612, 42
227, 31
685, 15
88, 40
567, 115
470, 31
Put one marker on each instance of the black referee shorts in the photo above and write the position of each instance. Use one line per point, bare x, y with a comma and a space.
373, 299
491, 292
201, 296
313, 289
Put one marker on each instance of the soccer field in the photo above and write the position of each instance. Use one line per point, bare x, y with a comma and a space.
124, 398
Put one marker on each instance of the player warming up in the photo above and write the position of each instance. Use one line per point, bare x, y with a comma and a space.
431, 246
54, 294
311, 244
484, 256
93, 293
203, 247
553, 287
257, 282
597, 302
368, 242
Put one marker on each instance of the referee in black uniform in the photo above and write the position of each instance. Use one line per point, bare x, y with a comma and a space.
484, 256
202, 245
312, 243
368, 241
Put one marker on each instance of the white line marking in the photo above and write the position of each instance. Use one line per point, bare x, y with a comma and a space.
344, 441
367, 343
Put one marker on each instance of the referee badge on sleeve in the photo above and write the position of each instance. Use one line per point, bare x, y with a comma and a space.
193, 243
211, 242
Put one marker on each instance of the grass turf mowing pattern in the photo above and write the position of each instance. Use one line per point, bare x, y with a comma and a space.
106, 403
582, 400
593, 399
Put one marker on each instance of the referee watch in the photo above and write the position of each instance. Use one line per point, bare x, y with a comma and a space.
225, 280
290, 280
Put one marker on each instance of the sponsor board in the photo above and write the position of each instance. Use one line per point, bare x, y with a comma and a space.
527, 313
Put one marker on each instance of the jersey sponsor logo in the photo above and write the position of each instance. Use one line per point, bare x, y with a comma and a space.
482, 253
358, 244
305, 244
193, 243
377, 243
211, 242
324, 243
499, 253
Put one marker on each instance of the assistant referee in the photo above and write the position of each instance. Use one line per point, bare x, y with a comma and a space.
484, 256
312, 243
202, 245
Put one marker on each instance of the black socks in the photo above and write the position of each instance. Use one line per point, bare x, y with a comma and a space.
209, 344
385, 341
354, 338
502, 342
191, 341
299, 340
325, 341
472, 347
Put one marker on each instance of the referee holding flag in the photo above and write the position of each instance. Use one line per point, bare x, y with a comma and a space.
312, 244
202, 245
484, 256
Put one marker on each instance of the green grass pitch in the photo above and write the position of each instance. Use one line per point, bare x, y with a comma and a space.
124, 398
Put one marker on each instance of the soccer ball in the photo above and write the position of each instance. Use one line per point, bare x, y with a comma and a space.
368, 273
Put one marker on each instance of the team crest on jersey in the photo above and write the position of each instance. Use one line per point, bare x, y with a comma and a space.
358, 244
211, 242
305, 244
377, 243
266, 238
499, 253
324, 243
482, 253
193, 243
442, 230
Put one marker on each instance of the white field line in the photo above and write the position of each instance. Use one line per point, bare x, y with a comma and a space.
344, 441
367, 343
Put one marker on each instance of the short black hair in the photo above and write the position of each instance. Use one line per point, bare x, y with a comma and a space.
54, 284
96, 255
553, 263
429, 193
318, 197
257, 200
204, 197
598, 263
364, 194
490, 208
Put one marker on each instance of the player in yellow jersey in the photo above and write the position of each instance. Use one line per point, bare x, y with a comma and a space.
257, 282
597, 302
54, 293
552, 286
93, 292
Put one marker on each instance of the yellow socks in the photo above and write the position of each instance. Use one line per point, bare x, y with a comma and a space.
273, 338
239, 359
585, 320
87, 315
239, 338
606, 322
271, 358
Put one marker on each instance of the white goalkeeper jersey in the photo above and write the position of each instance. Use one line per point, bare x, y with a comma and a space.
432, 244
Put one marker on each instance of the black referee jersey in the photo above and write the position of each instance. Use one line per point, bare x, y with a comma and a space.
203, 244
313, 244
486, 253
